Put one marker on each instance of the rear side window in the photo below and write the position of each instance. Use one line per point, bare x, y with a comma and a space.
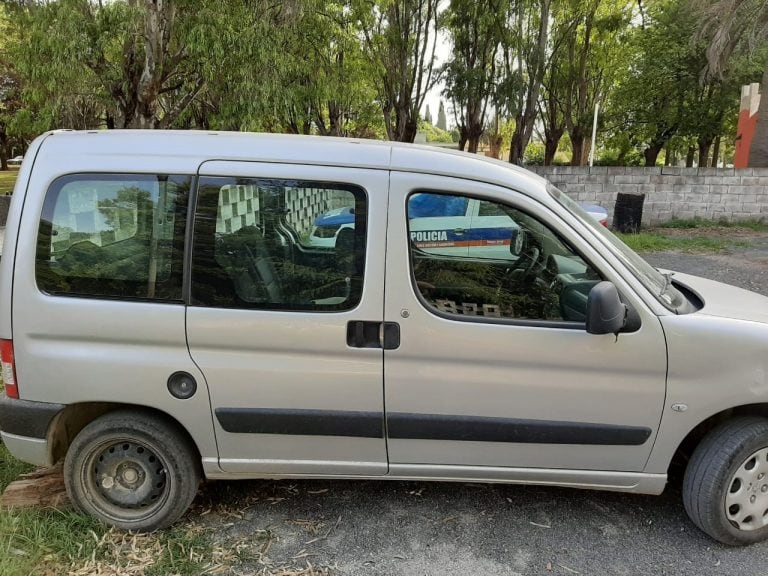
113, 236
278, 244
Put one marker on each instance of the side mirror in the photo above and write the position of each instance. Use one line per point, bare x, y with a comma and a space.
607, 314
517, 243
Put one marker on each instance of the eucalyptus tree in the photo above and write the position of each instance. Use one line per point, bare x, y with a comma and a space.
400, 38
650, 103
525, 42
554, 88
470, 74
123, 55
731, 26
591, 55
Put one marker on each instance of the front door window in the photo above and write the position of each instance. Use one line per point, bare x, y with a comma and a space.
499, 262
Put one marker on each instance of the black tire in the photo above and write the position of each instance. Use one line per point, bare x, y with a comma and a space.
132, 470
710, 475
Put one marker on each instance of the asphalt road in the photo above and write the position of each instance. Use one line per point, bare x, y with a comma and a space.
413, 529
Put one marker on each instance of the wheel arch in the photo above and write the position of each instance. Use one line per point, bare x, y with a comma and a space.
694, 437
68, 423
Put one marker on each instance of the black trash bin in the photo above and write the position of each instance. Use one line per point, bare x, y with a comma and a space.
628, 212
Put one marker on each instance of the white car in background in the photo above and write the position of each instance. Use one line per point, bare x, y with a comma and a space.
16, 161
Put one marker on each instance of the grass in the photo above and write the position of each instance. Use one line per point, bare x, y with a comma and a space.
7, 180
694, 223
659, 242
50, 542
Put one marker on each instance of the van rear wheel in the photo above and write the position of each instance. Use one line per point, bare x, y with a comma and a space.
131, 470
725, 490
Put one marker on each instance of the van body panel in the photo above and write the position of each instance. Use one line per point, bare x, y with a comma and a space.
287, 392
532, 381
71, 349
11, 235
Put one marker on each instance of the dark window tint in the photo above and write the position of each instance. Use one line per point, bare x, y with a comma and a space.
278, 244
114, 236
503, 264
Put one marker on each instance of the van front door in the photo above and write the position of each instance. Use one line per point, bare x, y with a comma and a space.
286, 331
495, 368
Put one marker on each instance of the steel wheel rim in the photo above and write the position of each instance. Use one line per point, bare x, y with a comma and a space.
126, 480
746, 499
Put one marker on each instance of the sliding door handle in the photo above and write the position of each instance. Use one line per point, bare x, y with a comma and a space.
362, 334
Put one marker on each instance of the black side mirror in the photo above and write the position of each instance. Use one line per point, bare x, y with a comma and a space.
606, 313
518, 241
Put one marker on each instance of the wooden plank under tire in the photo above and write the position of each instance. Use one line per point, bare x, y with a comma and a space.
43, 487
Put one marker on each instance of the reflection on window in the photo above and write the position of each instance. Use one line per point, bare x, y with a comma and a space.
113, 236
501, 263
278, 244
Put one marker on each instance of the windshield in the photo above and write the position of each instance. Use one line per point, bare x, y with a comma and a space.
659, 284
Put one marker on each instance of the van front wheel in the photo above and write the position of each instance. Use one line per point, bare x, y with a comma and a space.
725, 490
131, 470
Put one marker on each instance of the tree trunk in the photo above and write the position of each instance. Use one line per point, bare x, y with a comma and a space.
551, 142
463, 137
495, 142
704, 146
516, 150
689, 156
651, 154
577, 143
3, 148
716, 152
758, 151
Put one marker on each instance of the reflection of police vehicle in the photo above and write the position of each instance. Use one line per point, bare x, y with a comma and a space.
449, 225
444, 226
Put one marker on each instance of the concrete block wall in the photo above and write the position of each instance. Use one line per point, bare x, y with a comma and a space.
670, 192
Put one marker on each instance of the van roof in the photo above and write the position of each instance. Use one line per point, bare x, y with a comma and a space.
86, 150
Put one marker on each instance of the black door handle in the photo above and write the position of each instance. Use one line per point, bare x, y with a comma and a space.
362, 334
390, 336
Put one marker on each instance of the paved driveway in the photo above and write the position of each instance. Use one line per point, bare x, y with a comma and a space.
414, 529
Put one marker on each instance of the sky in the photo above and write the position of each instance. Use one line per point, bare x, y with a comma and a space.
442, 54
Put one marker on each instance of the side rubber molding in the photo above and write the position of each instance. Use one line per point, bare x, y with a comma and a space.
301, 422
514, 430
26, 418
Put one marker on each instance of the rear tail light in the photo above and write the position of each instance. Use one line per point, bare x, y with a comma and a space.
8, 368
604, 222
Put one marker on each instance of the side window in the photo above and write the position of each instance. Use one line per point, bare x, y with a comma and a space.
504, 264
113, 236
278, 244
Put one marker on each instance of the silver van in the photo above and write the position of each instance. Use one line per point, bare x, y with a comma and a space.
165, 318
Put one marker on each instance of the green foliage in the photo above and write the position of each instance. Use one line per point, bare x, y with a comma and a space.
662, 94
470, 75
363, 67
534, 154
434, 134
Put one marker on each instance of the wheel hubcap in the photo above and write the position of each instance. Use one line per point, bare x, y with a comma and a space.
128, 475
746, 504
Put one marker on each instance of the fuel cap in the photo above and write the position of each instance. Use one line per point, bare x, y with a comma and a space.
182, 385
